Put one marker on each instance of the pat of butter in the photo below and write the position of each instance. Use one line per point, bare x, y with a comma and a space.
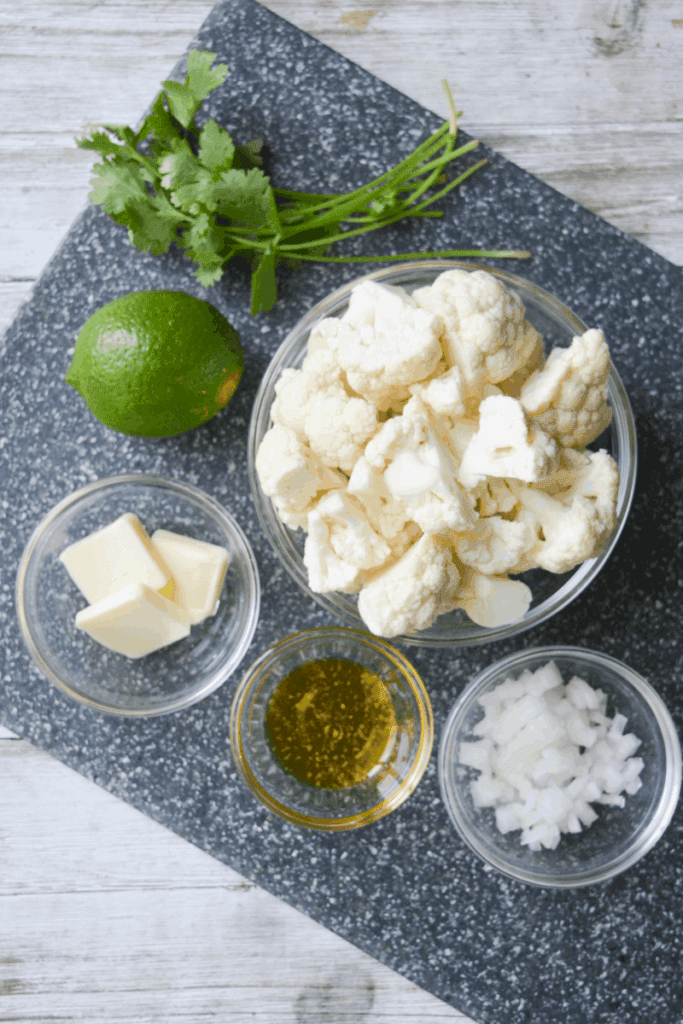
112, 558
134, 621
198, 570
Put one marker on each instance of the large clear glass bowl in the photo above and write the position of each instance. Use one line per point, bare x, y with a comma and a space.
551, 593
386, 786
621, 835
173, 677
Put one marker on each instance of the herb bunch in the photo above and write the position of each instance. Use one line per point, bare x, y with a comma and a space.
173, 182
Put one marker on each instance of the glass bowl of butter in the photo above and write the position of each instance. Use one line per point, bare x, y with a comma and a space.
138, 595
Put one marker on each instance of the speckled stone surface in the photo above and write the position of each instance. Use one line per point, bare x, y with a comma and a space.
406, 890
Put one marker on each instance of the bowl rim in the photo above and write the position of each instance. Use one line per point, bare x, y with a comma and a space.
623, 422
665, 806
247, 559
420, 760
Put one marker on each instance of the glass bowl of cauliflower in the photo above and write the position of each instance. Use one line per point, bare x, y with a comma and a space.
442, 453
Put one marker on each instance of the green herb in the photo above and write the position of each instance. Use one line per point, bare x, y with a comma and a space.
173, 182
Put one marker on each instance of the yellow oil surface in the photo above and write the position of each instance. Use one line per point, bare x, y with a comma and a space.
329, 722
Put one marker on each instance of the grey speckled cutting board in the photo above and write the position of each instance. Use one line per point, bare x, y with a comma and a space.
406, 890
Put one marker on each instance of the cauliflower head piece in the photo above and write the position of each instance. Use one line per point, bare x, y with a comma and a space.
413, 592
387, 514
313, 402
495, 546
384, 343
505, 445
421, 471
351, 536
492, 600
291, 474
568, 397
326, 570
485, 333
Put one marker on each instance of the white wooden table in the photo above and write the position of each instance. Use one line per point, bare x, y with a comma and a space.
104, 915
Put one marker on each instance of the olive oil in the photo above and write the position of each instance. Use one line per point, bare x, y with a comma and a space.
329, 722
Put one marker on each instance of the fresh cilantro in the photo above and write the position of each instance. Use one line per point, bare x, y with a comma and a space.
216, 148
173, 182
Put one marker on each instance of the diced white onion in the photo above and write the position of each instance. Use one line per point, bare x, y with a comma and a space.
546, 753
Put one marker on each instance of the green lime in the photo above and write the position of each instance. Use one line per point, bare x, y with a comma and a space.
156, 363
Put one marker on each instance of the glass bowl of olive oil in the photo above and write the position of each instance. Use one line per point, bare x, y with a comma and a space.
331, 728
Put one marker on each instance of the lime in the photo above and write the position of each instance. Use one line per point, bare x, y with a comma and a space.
156, 363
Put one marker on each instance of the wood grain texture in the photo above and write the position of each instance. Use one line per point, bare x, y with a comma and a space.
106, 916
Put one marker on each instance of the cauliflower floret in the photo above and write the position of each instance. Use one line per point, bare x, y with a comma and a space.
597, 480
384, 343
486, 334
492, 600
494, 495
569, 465
460, 435
495, 545
351, 536
413, 592
290, 473
445, 395
421, 471
313, 402
388, 515
513, 384
326, 570
506, 446
578, 520
339, 427
320, 374
568, 397
572, 533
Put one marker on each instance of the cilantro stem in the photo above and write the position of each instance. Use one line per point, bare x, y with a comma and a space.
383, 223
336, 212
497, 253
411, 162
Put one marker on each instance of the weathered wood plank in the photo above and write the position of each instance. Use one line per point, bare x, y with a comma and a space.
107, 916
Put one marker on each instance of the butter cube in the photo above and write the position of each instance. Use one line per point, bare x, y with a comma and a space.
134, 621
198, 570
112, 558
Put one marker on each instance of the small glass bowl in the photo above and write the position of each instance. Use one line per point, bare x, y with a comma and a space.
383, 790
550, 593
166, 680
620, 836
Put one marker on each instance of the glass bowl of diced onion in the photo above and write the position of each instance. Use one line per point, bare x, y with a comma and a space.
166, 680
550, 592
560, 766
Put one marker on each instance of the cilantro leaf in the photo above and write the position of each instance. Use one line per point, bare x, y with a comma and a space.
201, 77
204, 243
126, 135
249, 155
117, 184
158, 123
246, 197
180, 166
184, 98
216, 148
101, 143
150, 229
